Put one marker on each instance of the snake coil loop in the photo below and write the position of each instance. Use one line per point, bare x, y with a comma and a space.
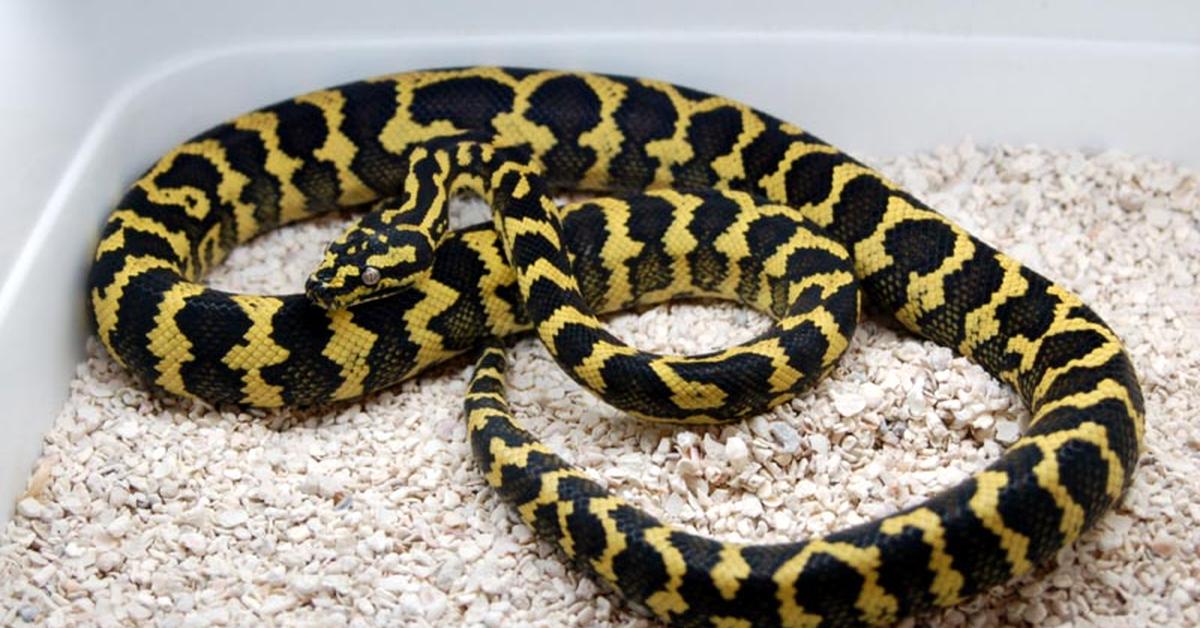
712, 199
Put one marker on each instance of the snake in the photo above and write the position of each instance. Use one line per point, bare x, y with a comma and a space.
697, 195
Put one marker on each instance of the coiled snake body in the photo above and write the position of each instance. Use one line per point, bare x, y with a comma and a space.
764, 213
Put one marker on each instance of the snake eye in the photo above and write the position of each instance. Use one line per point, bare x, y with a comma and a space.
370, 276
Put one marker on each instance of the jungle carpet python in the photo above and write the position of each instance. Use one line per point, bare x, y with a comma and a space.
712, 198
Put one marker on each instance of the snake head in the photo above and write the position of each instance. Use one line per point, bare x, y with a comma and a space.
366, 263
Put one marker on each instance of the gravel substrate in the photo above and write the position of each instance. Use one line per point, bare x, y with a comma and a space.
151, 510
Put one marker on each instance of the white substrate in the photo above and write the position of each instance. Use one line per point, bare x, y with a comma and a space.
153, 510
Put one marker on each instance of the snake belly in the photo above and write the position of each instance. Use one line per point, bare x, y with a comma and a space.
348, 146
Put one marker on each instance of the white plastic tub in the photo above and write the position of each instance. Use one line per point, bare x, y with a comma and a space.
91, 93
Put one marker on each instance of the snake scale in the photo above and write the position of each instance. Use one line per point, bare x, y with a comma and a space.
709, 198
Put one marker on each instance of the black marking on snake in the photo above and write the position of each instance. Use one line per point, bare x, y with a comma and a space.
810, 180
310, 375
212, 340
303, 130
368, 108
632, 167
709, 265
708, 146
979, 277
859, 210
1042, 541
568, 107
585, 230
468, 103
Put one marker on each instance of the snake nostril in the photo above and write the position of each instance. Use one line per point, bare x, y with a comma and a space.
317, 291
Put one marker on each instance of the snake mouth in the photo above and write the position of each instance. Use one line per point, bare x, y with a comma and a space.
328, 297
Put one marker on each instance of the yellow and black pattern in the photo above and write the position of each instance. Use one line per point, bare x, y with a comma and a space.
515, 135
708, 244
